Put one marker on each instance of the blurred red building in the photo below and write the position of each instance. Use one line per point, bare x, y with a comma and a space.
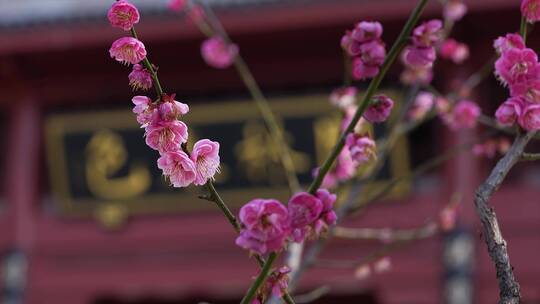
63, 243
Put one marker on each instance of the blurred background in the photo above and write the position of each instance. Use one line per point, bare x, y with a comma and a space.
86, 217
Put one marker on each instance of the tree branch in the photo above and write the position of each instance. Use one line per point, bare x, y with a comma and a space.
530, 156
509, 292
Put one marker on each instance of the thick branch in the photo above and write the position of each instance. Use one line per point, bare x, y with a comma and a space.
508, 286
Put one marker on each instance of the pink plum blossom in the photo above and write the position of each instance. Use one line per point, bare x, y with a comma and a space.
329, 181
530, 9
419, 57
517, 65
367, 31
352, 47
464, 115
379, 109
123, 14
455, 51
427, 34
454, 10
143, 109
510, 41
366, 48
311, 214
530, 117
217, 53
265, 226
304, 209
362, 148
177, 5
127, 50
205, 155
166, 136
178, 167
345, 166
276, 285
528, 90
328, 216
141, 104
140, 78
343, 97
372, 53
171, 109
278, 281
509, 111
423, 103
361, 71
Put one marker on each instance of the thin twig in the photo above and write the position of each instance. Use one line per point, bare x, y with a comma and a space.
268, 116
530, 156
261, 278
421, 233
385, 234
271, 122
312, 295
372, 88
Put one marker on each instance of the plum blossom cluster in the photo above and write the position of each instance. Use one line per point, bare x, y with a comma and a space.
519, 70
365, 46
418, 57
164, 131
360, 148
421, 53
129, 50
267, 224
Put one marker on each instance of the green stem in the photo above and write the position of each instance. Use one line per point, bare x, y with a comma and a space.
523, 29
347, 66
373, 86
150, 68
215, 197
261, 278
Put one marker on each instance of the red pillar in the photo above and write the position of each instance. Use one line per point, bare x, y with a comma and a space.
22, 180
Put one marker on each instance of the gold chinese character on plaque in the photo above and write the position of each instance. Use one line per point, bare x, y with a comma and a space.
259, 157
106, 155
